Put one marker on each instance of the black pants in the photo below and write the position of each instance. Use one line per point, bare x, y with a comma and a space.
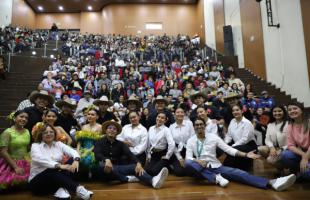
141, 157
50, 180
156, 163
239, 162
178, 170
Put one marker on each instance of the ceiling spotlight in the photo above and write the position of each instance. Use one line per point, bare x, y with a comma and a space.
89, 7
60, 8
52, 56
40, 8
34, 53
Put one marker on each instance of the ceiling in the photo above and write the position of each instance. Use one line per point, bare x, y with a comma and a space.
52, 6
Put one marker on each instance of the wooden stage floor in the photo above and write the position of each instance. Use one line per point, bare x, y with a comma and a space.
178, 188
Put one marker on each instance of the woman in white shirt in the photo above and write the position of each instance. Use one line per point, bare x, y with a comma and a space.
202, 163
47, 173
275, 136
181, 131
134, 135
241, 136
160, 146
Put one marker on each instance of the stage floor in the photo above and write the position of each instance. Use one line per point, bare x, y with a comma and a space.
186, 188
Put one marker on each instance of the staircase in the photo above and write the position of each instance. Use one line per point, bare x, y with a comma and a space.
260, 85
25, 74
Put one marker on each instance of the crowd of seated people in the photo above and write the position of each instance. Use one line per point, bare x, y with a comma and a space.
138, 108
16, 39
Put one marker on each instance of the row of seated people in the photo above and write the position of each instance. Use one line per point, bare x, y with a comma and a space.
16, 39
110, 151
187, 73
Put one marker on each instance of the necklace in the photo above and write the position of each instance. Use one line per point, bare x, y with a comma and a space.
199, 147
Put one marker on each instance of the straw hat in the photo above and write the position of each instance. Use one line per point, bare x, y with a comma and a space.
43, 94
198, 94
133, 99
108, 123
68, 102
103, 99
160, 98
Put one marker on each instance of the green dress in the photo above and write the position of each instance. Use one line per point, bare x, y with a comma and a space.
17, 144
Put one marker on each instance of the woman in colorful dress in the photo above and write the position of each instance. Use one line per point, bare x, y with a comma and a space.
86, 139
14, 146
50, 117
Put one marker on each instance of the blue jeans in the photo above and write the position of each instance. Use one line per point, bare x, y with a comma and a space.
292, 161
229, 173
120, 172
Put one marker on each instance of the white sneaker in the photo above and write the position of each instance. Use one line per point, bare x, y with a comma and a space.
62, 193
82, 193
223, 182
158, 181
132, 179
282, 183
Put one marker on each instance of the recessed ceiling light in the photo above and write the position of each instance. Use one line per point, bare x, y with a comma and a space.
40, 8
60, 8
89, 7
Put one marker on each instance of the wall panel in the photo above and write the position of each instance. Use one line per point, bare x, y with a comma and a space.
253, 41
219, 22
22, 15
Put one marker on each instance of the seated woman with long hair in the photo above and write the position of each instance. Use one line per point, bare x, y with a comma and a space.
14, 146
47, 174
297, 155
241, 135
50, 117
275, 137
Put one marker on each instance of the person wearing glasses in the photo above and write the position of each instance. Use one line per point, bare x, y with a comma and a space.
109, 152
202, 162
47, 172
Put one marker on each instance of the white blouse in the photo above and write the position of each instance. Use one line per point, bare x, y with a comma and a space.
211, 127
274, 137
44, 157
137, 136
159, 138
240, 133
181, 133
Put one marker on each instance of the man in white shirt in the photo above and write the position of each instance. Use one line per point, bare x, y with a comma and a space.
86, 101
181, 131
134, 135
201, 161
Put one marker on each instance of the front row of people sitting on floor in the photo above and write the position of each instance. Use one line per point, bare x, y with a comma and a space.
130, 154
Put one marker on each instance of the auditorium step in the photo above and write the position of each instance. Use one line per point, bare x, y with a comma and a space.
260, 85
24, 76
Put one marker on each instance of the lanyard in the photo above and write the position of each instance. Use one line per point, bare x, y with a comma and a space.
199, 148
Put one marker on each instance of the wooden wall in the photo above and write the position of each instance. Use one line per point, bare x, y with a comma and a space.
305, 7
63, 20
253, 41
201, 21
23, 15
130, 18
219, 22
91, 22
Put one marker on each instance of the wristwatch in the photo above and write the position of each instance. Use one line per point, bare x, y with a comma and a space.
77, 159
57, 166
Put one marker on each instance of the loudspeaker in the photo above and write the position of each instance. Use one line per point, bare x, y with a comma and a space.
229, 48
228, 35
